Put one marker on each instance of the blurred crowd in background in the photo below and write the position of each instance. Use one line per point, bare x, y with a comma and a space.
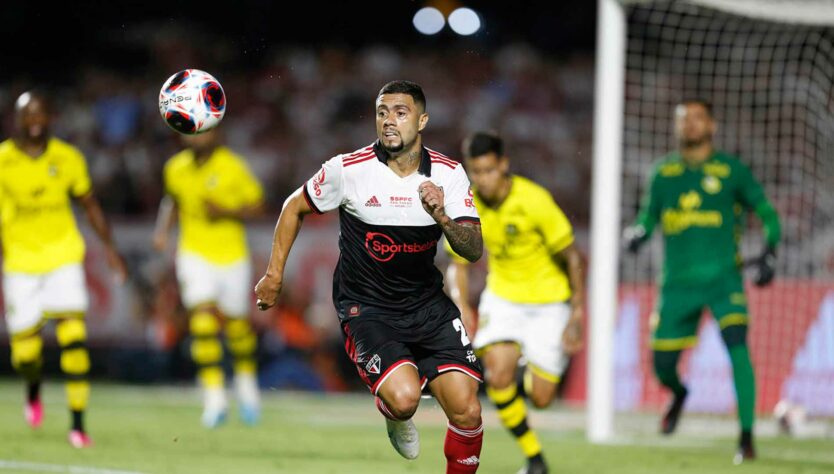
305, 105
287, 112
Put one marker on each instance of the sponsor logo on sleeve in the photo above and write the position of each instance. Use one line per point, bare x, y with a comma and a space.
318, 180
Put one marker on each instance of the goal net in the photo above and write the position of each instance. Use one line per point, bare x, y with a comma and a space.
767, 66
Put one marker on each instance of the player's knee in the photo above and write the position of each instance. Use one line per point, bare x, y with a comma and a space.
403, 402
664, 361
206, 350
735, 335
204, 323
542, 399
500, 379
75, 361
70, 331
26, 350
466, 414
241, 338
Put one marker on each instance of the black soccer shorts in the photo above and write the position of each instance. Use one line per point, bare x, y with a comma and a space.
432, 339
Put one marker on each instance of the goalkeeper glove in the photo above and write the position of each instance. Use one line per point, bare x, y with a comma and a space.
633, 237
765, 264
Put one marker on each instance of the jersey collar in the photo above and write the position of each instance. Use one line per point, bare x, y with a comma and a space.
425, 159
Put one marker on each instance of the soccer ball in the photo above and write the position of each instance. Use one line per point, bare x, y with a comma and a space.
192, 101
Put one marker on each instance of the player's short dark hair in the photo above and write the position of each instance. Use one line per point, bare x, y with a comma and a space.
707, 105
405, 87
482, 143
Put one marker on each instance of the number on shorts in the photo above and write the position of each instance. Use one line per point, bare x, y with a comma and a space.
458, 324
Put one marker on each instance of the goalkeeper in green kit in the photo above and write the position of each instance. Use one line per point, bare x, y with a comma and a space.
699, 196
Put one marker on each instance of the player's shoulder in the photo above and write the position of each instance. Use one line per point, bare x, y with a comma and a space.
669, 166
64, 149
227, 155
528, 187
349, 161
722, 164
178, 161
441, 163
7, 148
229, 160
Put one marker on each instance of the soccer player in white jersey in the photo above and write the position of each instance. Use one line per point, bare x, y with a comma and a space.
396, 198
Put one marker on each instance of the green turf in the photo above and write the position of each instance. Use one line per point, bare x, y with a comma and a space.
156, 430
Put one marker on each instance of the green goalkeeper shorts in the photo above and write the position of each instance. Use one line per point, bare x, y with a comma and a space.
675, 323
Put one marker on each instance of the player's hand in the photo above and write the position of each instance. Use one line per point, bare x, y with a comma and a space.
160, 241
267, 291
117, 264
633, 237
572, 336
765, 267
432, 198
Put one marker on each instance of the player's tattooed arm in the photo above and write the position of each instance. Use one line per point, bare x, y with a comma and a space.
465, 238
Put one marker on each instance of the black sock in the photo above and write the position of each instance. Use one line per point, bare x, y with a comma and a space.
33, 391
746, 438
78, 420
537, 459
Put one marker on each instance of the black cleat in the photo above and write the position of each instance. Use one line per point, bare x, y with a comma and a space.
535, 465
745, 452
673, 414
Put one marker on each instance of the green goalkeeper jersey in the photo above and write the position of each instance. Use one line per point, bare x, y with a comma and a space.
700, 210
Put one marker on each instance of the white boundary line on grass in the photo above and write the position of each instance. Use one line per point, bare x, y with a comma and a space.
42, 467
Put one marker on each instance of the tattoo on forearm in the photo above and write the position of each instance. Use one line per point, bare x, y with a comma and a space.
465, 239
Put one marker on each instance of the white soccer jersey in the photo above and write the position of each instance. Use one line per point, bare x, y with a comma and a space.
387, 240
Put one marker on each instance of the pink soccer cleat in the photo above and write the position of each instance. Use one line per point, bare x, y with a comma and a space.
79, 439
33, 412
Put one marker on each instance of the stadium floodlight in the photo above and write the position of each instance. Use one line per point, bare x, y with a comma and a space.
428, 21
464, 21
767, 66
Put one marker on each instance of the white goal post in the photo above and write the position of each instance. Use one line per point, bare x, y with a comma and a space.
721, 49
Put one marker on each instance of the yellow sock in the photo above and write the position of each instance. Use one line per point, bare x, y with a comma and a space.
242, 342
78, 394
26, 351
75, 361
513, 414
206, 350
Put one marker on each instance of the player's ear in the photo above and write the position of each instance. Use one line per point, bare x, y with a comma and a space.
713, 126
422, 121
504, 164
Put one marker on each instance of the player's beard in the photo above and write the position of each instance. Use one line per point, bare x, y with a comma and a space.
394, 149
695, 142
398, 149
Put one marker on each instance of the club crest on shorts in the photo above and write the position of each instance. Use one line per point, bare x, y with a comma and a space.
374, 364
353, 311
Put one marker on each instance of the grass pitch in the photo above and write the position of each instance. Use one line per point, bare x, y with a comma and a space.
139, 429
